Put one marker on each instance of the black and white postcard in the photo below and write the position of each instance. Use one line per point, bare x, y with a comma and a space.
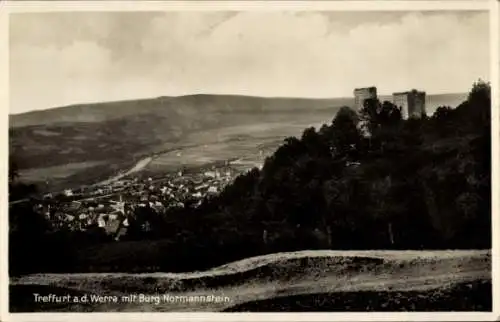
204, 159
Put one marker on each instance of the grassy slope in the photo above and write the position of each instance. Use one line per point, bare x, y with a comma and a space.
471, 296
277, 276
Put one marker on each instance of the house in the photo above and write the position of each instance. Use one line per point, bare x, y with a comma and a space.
146, 226
115, 228
118, 184
101, 221
75, 205
68, 192
122, 231
210, 174
119, 206
197, 188
213, 189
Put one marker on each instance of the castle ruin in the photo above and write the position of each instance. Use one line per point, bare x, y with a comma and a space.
412, 103
362, 94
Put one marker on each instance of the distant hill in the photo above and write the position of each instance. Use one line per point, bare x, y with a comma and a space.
110, 136
163, 106
180, 106
107, 137
433, 101
104, 131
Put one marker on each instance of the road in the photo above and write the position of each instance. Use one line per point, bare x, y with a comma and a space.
137, 167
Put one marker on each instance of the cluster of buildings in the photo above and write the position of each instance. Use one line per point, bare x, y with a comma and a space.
112, 206
411, 103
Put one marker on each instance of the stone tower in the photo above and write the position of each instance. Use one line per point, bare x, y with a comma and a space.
361, 94
412, 103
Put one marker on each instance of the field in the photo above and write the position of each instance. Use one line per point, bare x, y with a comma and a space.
406, 279
56, 172
247, 145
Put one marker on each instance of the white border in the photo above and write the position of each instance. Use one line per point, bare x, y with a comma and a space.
4, 143
495, 151
249, 5
374, 5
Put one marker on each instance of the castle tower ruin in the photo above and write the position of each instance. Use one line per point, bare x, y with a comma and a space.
361, 94
412, 103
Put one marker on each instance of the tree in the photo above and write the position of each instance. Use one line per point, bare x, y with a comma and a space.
314, 144
478, 102
381, 122
413, 132
480, 94
27, 239
386, 207
442, 113
380, 115
13, 171
443, 121
344, 135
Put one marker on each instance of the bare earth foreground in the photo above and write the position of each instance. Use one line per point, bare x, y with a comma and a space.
458, 280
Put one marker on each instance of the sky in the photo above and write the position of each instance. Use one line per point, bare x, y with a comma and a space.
64, 58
